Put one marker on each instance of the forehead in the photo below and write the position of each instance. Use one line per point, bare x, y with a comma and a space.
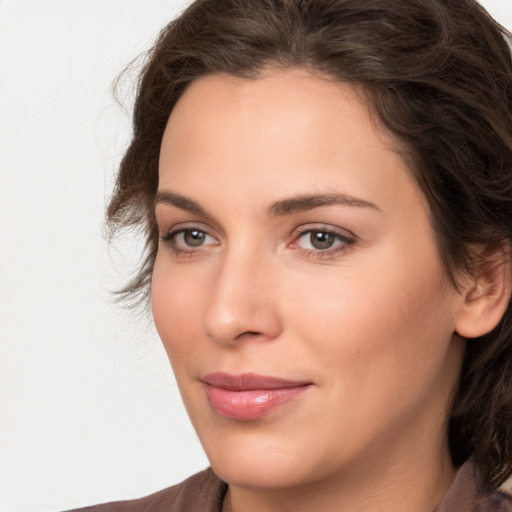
282, 101
287, 131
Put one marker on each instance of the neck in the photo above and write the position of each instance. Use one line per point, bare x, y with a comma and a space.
399, 485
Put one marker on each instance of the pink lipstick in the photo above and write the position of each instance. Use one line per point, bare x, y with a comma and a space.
250, 396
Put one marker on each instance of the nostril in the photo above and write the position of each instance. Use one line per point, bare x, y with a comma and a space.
248, 334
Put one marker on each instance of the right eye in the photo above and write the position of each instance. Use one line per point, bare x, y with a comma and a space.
189, 240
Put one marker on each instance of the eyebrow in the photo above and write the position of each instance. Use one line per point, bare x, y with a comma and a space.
182, 202
283, 207
308, 202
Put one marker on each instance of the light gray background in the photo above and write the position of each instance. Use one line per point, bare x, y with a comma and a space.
89, 411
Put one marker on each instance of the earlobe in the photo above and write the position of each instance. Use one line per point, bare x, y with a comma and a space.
486, 295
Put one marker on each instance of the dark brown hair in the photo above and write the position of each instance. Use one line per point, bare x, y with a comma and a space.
437, 74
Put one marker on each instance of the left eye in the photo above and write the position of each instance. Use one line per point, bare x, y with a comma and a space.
321, 240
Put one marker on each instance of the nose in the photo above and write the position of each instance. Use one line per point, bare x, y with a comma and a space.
243, 302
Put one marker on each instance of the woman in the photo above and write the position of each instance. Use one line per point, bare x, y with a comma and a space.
326, 188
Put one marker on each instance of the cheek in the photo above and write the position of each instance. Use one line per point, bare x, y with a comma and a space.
176, 305
384, 319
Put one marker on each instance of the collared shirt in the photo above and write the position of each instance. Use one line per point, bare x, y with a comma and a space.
466, 495
204, 492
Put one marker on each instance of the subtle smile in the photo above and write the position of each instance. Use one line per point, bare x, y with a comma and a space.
250, 396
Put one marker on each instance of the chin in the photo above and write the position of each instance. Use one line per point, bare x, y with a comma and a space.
251, 456
258, 472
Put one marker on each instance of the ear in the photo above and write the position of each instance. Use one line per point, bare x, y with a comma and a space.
486, 294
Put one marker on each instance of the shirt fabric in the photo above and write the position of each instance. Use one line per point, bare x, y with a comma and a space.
204, 492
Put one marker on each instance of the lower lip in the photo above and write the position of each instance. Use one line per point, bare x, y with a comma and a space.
251, 404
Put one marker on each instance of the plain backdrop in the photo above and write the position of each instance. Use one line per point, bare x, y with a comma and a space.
89, 411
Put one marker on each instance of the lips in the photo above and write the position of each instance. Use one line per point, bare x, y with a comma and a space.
250, 396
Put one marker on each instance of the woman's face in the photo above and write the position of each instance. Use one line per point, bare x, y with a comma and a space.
297, 288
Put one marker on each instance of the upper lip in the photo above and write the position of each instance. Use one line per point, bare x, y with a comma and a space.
250, 381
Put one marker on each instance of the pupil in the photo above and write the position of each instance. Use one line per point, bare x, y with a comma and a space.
194, 238
320, 240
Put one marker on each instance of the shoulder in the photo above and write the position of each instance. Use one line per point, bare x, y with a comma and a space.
498, 501
466, 494
203, 492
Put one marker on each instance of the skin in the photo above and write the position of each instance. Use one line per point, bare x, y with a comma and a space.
369, 321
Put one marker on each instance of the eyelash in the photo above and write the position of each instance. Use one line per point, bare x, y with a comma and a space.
170, 240
344, 242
